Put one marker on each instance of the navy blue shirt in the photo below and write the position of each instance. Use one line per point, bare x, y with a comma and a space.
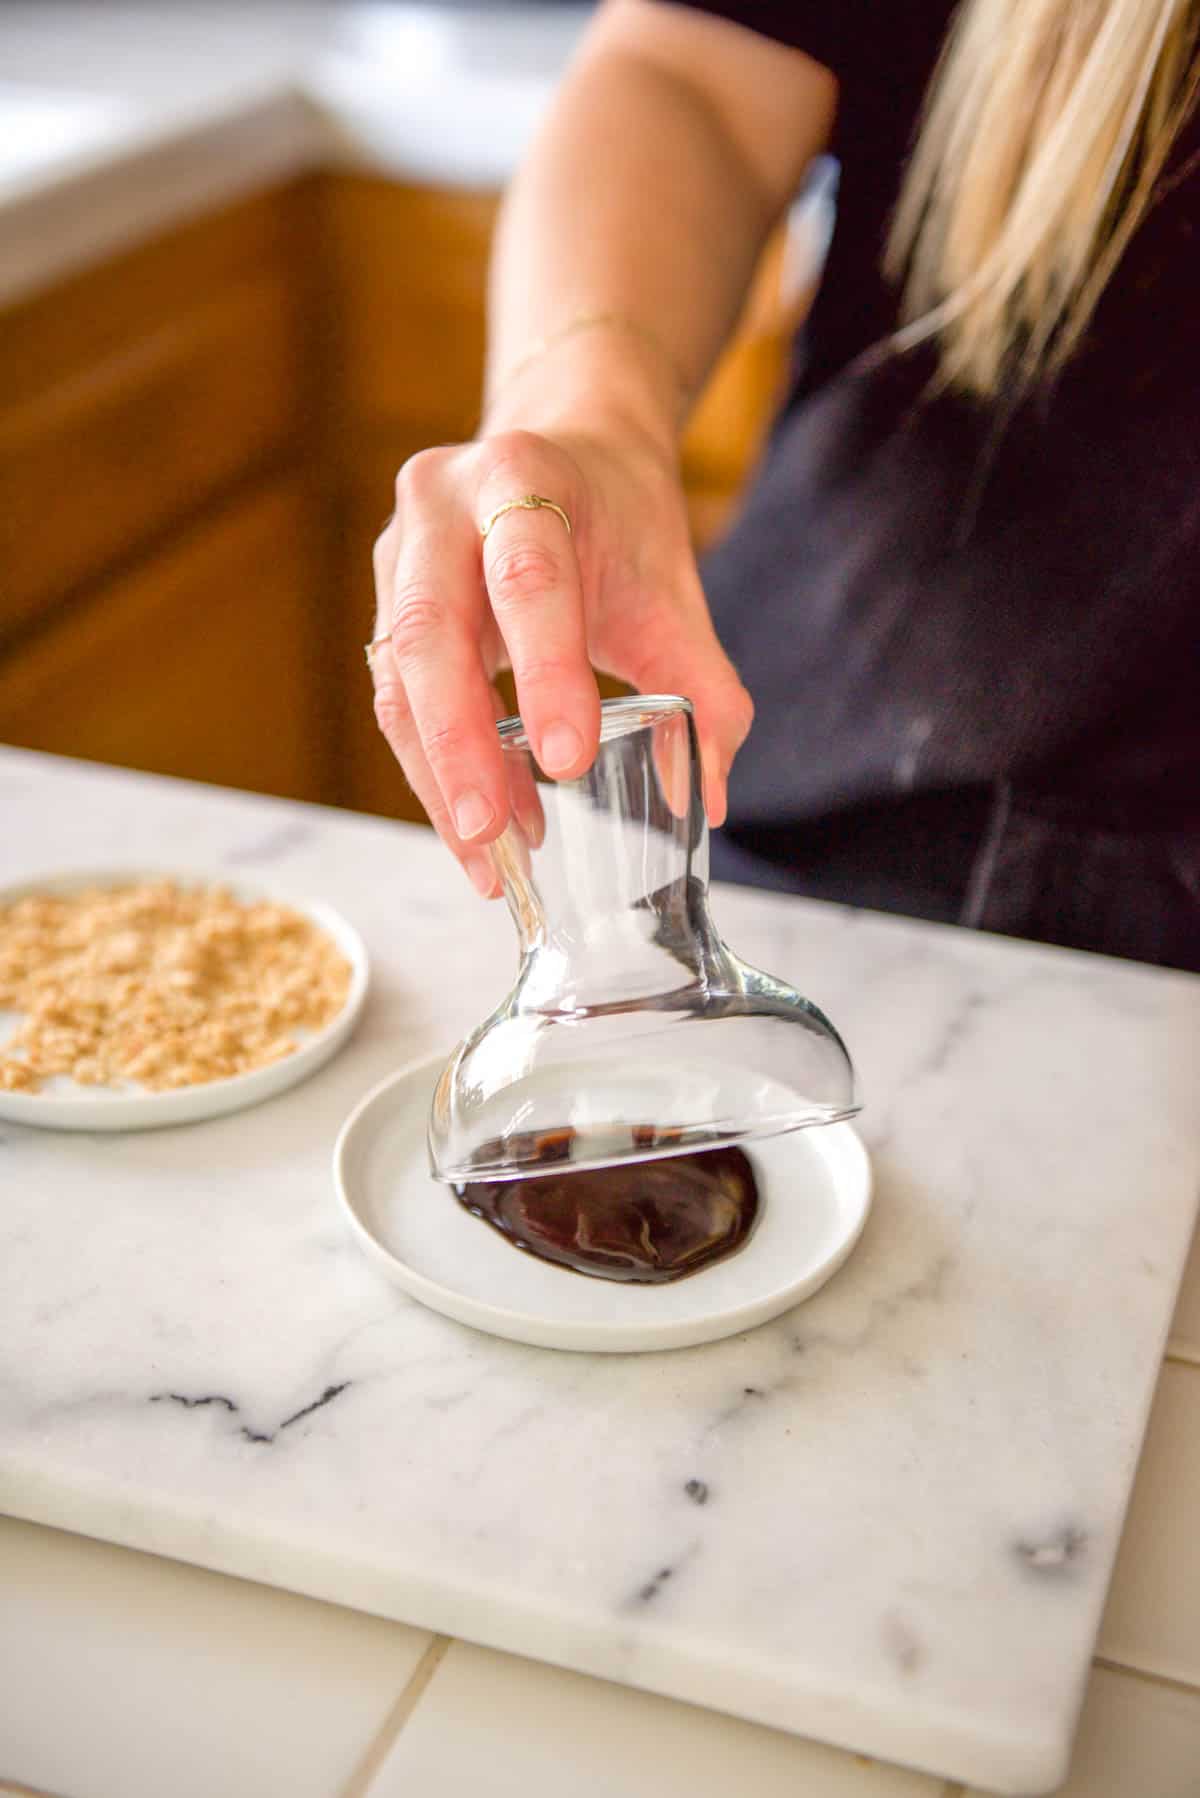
925, 593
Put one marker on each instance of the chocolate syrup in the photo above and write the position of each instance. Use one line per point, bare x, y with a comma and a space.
645, 1222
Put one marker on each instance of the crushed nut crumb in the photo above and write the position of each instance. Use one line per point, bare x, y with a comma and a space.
163, 985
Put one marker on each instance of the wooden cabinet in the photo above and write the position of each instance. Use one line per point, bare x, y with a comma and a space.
133, 397
407, 270
164, 555
198, 442
118, 455
204, 662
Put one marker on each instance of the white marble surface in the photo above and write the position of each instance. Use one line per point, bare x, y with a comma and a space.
913, 1486
119, 119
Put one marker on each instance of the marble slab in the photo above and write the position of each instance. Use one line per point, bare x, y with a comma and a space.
886, 1521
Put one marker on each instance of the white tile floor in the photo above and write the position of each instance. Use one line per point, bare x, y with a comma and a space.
1152, 1620
1137, 1739
1185, 1330
490, 1723
125, 1676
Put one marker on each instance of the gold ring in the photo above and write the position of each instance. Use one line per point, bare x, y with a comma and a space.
528, 502
374, 644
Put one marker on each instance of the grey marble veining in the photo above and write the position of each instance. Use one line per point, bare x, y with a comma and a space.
886, 1520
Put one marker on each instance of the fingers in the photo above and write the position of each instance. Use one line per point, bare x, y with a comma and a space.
673, 763
433, 698
678, 652
452, 605
524, 799
398, 726
531, 571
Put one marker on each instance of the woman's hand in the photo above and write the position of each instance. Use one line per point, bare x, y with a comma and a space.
622, 257
619, 591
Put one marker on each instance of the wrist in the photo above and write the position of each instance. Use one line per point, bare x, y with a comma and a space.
600, 376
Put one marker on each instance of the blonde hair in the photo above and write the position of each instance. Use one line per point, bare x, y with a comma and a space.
1046, 126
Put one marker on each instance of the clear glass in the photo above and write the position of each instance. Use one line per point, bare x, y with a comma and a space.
632, 1031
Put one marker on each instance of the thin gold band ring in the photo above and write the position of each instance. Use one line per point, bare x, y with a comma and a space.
528, 502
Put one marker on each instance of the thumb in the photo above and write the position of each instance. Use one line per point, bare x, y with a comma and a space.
688, 659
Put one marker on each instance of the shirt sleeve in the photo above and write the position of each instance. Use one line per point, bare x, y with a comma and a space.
826, 30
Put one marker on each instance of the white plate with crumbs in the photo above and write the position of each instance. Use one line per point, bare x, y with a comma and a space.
815, 1194
167, 974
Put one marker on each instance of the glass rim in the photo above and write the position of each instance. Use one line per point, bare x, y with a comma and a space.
726, 1134
618, 718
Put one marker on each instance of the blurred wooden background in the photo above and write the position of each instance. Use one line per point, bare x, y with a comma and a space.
197, 446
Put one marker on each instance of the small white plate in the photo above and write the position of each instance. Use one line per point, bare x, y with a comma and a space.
816, 1193
62, 1104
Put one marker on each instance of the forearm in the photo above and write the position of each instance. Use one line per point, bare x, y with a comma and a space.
676, 142
637, 204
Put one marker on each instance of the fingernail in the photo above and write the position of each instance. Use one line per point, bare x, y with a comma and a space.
562, 746
482, 873
472, 814
714, 789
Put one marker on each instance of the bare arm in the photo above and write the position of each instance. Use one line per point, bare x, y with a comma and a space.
674, 144
672, 148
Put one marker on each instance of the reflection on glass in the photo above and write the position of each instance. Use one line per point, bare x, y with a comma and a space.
631, 1031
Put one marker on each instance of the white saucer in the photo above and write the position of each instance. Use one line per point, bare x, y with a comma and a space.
816, 1188
62, 1104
